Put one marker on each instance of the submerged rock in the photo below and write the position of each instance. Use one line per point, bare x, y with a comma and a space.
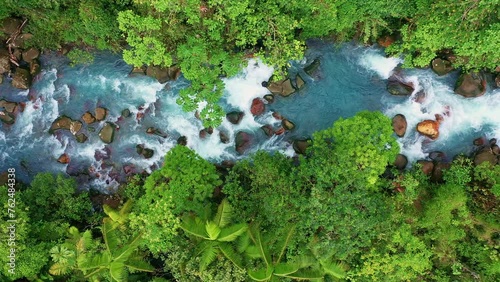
268, 130
313, 67
399, 125
288, 125
471, 85
397, 87
235, 117
81, 138
282, 87
299, 82
441, 67
242, 141
21, 79
107, 132
126, 113
300, 146
429, 128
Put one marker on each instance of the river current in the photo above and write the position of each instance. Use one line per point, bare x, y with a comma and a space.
351, 78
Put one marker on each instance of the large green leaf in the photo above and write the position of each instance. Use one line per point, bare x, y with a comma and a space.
243, 242
208, 254
137, 264
123, 254
310, 275
109, 235
283, 269
117, 271
194, 226
224, 212
232, 232
283, 243
261, 274
212, 229
59, 268
253, 252
333, 269
257, 240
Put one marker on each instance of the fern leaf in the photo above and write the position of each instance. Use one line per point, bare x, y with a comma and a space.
228, 251
224, 212
112, 213
261, 274
126, 251
243, 242
232, 232
126, 208
117, 271
333, 269
59, 268
283, 244
208, 255
212, 229
137, 264
109, 235
257, 239
253, 252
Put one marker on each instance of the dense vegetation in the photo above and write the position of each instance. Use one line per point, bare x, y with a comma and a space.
210, 39
337, 213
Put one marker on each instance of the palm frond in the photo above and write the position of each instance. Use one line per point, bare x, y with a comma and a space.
213, 230
243, 242
194, 226
309, 275
224, 213
261, 274
284, 269
229, 252
334, 269
232, 232
283, 244
124, 252
117, 271
257, 240
253, 252
59, 268
136, 264
109, 235
208, 254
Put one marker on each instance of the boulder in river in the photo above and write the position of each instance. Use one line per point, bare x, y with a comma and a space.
300, 146
257, 107
107, 132
437, 173
126, 113
426, 166
137, 71
299, 82
30, 54
235, 117
4, 61
497, 81
288, 125
400, 162
399, 125
62, 122
63, 159
269, 98
182, 141
313, 67
396, 86
429, 128
75, 126
268, 130
223, 137
471, 85
441, 66
437, 156
81, 138
88, 118
386, 40
21, 79
163, 74
7, 118
485, 155
35, 67
9, 107
100, 113
282, 87
243, 141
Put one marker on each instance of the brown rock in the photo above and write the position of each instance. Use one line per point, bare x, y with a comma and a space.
100, 113
163, 74
31, 54
497, 81
242, 141
485, 155
429, 128
299, 82
493, 141
268, 130
282, 87
427, 167
62, 122
396, 86
10, 25
399, 125
223, 137
279, 131
64, 159
107, 133
300, 146
386, 40
182, 141
495, 149
441, 67
9, 107
437, 156
437, 173
288, 125
277, 116
88, 118
257, 107
137, 71
203, 133
400, 162
81, 138
269, 98
439, 118
471, 85
75, 126
235, 117
7, 118
35, 67
4, 61
21, 79
478, 141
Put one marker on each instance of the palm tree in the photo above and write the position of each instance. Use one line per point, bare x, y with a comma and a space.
305, 267
215, 236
